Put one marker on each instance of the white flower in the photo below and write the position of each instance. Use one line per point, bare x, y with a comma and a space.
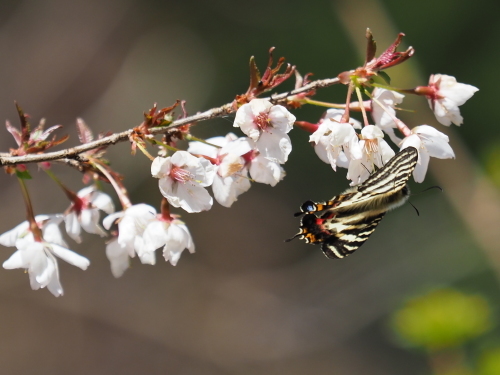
384, 116
376, 152
267, 125
336, 142
84, 212
261, 168
265, 170
335, 114
131, 225
182, 180
172, 235
429, 142
447, 96
38, 257
49, 224
231, 178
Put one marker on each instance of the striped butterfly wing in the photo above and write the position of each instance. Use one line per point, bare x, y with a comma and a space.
347, 235
391, 178
350, 218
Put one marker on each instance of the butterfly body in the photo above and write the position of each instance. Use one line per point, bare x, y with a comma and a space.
347, 220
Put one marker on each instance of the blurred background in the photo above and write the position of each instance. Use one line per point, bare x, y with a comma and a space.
246, 302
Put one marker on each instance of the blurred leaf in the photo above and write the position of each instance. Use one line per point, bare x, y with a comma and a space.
382, 78
442, 319
489, 362
493, 163
25, 175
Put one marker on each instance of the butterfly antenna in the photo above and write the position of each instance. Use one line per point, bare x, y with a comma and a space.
418, 213
429, 188
289, 239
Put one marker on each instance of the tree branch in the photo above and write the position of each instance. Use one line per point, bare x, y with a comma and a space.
71, 153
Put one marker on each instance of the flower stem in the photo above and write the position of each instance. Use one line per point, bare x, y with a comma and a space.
323, 104
120, 189
190, 137
37, 233
360, 99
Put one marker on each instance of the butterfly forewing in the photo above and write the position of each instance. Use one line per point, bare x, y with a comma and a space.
350, 218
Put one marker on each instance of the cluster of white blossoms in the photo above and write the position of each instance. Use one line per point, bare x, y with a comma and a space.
338, 144
228, 163
141, 231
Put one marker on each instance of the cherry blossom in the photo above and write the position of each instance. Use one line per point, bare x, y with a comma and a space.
429, 142
375, 153
173, 235
445, 95
336, 142
267, 125
183, 178
38, 257
383, 112
231, 178
84, 212
264, 170
49, 224
131, 225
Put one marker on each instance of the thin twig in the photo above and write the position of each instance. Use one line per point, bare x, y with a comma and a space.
70, 153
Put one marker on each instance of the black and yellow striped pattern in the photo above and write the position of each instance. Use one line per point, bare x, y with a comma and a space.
351, 217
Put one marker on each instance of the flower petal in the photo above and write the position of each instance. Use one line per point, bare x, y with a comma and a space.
70, 256
118, 258
275, 144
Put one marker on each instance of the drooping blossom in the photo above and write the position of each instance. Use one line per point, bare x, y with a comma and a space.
445, 95
263, 169
84, 212
375, 153
49, 224
183, 178
131, 225
231, 173
267, 125
38, 258
384, 115
336, 142
172, 234
383, 112
429, 142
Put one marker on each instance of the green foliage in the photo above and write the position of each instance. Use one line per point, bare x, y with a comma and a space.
493, 163
489, 362
383, 78
25, 175
442, 319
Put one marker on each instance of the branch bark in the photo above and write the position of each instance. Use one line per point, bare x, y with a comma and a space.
73, 152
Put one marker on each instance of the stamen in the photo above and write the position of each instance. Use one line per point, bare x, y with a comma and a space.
234, 168
371, 146
181, 175
262, 121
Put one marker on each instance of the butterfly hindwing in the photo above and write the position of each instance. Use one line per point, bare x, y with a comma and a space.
350, 218
351, 236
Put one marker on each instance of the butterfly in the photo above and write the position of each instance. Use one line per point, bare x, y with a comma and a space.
348, 219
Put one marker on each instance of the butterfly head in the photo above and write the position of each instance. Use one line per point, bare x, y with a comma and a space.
307, 206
